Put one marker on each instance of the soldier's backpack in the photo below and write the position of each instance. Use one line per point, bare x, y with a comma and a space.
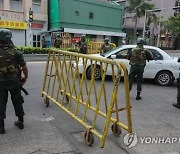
8, 64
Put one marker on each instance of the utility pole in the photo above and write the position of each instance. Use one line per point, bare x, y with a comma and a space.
159, 27
155, 10
31, 17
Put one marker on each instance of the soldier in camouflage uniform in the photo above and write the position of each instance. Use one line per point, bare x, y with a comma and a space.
82, 45
58, 41
106, 46
43, 41
138, 57
11, 61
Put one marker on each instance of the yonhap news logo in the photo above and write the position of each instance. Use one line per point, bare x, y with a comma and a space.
131, 140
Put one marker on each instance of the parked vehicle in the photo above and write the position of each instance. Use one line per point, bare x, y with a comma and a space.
164, 69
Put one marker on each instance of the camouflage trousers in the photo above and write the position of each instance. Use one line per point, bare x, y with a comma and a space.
16, 98
136, 72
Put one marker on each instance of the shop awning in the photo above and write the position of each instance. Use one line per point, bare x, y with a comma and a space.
94, 32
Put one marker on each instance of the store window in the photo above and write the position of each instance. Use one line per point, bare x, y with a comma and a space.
16, 5
36, 6
76, 13
1, 4
36, 41
91, 15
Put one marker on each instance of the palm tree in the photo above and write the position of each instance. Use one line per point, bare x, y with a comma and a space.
153, 20
138, 8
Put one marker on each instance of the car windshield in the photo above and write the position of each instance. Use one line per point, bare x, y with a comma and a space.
107, 53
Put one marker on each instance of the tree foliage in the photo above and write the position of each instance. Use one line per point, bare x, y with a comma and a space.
138, 8
173, 24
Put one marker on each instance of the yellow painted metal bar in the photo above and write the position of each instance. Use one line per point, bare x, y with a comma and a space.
57, 72
46, 70
73, 87
100, 93
73, 115
52, 94
128, 105
50, 74
80, 90
109, 113
62, 67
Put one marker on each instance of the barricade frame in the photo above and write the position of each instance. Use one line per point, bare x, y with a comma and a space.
52, 54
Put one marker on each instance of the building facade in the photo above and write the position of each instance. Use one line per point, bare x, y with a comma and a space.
14, 15
166, 7
97, 19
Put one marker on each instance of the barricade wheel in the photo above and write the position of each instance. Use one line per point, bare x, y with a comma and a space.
67, 98
89, 138
46, 102
116, 130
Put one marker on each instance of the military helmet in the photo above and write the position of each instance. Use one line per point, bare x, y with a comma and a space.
83, 37
106, 40
140, 41
5, 35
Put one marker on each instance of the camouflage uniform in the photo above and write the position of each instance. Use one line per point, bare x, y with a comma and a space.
10, 62
43, 42
58, 42
106, 46
138, 57
82, 45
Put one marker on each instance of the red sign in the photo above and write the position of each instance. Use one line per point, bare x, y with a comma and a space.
36, 26
75, 39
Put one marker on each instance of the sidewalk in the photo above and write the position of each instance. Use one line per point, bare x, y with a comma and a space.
172, 51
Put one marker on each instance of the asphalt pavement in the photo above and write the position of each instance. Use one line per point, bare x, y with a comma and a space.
51, 131
47, 130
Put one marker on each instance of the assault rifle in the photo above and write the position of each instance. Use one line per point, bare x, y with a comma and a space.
24, 90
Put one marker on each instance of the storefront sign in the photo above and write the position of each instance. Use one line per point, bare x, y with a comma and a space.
11, 15
36, 26
75, 39
13, 24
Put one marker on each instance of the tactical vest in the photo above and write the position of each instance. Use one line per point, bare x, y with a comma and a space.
138, 57
106, 47
83, 48
8, 64
58, 42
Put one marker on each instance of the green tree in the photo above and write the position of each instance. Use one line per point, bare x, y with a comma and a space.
173, 25
138, 8
153, 21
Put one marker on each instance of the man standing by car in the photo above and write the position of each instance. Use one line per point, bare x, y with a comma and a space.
43, 41
11, 62
138, 57
58, 41
82, 45
106, 46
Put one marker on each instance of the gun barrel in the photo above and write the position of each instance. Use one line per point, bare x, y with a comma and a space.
24, 91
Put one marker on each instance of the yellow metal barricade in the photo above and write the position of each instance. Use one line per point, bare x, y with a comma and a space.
95, 47
79, 84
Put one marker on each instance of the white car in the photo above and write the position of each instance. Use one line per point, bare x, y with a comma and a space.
164, 68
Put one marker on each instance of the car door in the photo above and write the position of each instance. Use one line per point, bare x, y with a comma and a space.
121, 56
153, 66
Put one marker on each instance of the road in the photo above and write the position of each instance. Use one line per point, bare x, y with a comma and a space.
50, 130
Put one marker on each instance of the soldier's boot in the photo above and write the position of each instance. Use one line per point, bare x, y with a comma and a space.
138, 97
2, 130
20, 123
178, 103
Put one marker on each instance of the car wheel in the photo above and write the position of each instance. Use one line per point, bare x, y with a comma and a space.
97, 73
163, 78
